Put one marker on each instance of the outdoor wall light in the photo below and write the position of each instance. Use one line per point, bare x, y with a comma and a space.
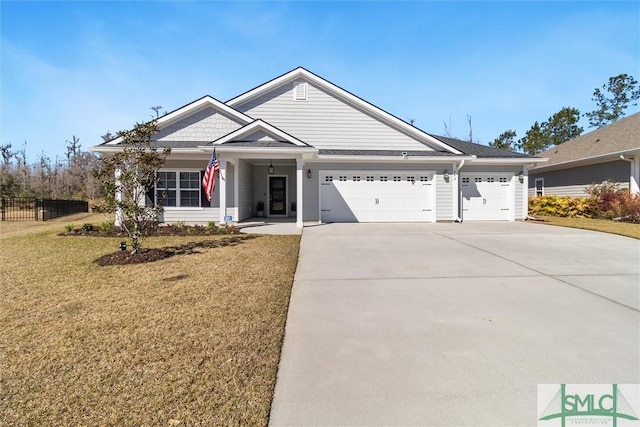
445, 175
521, 177
309, 173
271, 170
123, 246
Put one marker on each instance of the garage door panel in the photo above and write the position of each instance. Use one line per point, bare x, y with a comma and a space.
377, 197
488, 197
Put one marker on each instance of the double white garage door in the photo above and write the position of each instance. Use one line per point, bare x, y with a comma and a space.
368, 196
402, 196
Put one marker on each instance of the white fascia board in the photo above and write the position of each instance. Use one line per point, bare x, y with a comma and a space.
259, 125
388, 159
117, 148
508, 161
587, 160
343, 94
197, 105
259, 150
206, 101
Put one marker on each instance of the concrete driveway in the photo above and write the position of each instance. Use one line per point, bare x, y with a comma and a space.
453, 324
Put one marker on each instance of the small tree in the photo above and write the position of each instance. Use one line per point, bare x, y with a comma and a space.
126, 177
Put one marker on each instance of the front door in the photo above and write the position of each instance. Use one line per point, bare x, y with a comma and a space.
277, 195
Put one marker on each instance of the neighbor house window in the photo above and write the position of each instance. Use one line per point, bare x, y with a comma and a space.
539, 187
178, 188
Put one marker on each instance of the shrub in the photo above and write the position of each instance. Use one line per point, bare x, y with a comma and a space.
107, 226
69, 227
191, 230
568, 207
626, 207
604, 196
211, 226
87, 227
180, 224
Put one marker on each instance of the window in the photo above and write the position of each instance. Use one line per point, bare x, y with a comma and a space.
328, 178
539, 187
383, 178
179, 189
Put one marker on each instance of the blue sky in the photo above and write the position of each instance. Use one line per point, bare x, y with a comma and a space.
82, 68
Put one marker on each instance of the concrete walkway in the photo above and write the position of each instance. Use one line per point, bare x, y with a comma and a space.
453, 324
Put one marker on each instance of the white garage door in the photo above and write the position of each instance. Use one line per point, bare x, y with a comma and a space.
366, 196
488, 197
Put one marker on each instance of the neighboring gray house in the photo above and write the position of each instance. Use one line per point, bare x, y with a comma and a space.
610, 153
301, 141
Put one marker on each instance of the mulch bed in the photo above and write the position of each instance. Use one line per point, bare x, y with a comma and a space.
156, 254
140, 257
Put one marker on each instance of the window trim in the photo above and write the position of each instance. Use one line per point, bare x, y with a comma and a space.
178, 189
535, 187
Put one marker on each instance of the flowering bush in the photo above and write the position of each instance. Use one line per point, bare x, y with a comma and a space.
612, 202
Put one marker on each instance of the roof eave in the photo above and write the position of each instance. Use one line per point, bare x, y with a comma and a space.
587, 160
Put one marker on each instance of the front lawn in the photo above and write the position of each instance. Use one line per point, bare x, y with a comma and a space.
193, 339
604, 225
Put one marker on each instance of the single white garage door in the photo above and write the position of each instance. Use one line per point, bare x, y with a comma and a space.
487, 197
368, 196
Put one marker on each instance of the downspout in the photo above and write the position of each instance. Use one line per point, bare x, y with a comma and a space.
456, 174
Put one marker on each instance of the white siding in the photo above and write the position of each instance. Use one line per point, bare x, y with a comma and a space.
202, 126
325, 121
191, 216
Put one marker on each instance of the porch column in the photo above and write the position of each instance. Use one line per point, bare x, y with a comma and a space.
118, 219
634, 181
525, 193
299, 195
221, 183
236, 190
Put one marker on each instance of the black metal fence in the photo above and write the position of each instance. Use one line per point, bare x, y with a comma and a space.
32, 209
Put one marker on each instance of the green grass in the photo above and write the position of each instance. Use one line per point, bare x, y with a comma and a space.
604, 225
190, 340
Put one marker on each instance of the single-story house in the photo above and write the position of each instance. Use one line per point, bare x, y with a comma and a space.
311, 150
610, 153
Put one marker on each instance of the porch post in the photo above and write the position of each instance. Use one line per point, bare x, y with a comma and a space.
634, 182
525, 193
222, 185
299, 195
118, 219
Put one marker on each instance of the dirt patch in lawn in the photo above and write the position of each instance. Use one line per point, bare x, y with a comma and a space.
156, 254
185, 340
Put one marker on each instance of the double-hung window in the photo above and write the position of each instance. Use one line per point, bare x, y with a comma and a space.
178, 188
539, 183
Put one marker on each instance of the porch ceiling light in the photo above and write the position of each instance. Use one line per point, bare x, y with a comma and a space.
271, 170
309, 173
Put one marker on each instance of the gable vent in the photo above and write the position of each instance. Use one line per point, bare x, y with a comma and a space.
300, 91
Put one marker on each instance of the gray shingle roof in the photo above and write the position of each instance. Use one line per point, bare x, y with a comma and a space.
617, 137
478, 150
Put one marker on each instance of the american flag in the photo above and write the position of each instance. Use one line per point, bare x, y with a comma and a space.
209, 178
